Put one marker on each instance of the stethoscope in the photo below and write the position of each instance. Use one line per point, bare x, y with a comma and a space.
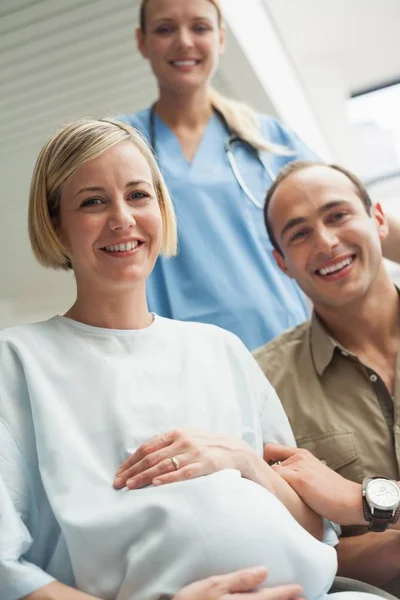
229, 144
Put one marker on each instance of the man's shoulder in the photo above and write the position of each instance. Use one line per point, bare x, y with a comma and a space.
288, 342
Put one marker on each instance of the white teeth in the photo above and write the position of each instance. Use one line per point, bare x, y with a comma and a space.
184, 63
122, 247
337, 267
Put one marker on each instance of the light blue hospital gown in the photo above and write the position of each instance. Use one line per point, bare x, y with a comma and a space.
75, 401
225, 273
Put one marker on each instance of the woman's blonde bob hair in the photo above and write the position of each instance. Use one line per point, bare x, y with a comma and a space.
69, 149
241, 118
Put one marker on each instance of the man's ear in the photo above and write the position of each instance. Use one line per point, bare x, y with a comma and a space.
140, 42
380, 219
280, 261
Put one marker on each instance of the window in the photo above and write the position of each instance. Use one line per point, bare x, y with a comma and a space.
375, 117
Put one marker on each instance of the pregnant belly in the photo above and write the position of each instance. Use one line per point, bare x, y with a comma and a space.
156, 540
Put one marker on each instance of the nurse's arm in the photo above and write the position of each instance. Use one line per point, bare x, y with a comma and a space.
58, 591
391, 245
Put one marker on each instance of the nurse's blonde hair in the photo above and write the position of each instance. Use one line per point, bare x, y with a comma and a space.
64, 153
240, 117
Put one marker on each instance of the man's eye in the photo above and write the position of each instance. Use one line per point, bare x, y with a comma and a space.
298, 236
338, 216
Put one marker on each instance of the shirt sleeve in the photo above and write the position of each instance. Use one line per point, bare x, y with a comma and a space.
18, 577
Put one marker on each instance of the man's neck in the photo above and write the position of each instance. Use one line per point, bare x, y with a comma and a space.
371, 321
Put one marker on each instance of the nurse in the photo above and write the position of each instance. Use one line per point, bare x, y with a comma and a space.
225, 272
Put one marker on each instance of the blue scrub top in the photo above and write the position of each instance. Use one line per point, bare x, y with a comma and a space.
224, 272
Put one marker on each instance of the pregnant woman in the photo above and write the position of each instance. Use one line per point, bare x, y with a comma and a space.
83, 392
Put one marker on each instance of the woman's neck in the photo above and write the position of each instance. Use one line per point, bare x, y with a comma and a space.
117, 310
191, 110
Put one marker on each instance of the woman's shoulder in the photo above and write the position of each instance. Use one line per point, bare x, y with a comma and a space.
25, 333
140, 119
273, 130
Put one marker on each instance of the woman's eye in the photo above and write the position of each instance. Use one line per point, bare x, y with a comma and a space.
163, 30
202, 28
91, 202
137, 196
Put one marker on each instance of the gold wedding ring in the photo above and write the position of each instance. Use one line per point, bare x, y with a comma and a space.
175, 462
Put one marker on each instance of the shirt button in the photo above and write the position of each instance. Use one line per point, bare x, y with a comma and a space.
373, 377
344, 353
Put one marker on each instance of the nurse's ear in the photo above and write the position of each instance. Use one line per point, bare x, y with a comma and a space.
141, 42
222, 39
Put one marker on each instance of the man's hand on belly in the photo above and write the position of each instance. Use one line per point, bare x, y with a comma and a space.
184, 454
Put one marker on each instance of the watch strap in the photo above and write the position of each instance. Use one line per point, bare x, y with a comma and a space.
380, 519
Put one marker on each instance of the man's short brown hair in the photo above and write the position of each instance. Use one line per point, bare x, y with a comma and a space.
300, 165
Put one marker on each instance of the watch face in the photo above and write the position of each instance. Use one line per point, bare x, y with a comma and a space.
383, 494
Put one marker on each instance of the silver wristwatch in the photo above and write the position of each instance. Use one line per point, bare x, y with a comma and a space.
381, 502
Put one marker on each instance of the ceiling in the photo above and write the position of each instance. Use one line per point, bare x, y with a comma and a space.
360, 36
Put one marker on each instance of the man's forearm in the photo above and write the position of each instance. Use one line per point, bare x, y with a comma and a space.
372, 557
58, 591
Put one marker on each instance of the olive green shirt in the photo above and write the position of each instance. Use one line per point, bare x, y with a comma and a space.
339, 408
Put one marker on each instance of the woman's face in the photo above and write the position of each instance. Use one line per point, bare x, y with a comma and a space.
110, 221
182, 41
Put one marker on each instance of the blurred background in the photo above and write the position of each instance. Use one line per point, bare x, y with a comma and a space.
330, 69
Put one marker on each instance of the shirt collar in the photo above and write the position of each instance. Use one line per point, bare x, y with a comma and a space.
323, 345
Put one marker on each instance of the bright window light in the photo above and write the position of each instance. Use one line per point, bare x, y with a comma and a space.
256, 33
375, 117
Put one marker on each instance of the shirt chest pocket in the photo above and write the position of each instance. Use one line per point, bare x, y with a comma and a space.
338, 450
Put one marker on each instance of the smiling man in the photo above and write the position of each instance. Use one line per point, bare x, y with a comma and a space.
337, 375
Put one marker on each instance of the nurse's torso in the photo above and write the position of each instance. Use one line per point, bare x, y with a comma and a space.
225, 272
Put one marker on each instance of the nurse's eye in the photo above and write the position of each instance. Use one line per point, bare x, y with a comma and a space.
202, 28
90, 202
164, 30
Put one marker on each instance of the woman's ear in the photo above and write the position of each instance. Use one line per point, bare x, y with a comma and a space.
381, 221
222, 39
141, 42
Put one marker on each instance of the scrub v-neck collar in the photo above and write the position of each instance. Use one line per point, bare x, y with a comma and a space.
170, 153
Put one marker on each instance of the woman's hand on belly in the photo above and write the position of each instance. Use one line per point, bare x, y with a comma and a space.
185, 454
241, 583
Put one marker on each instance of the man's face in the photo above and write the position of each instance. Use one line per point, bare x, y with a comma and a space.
330, 244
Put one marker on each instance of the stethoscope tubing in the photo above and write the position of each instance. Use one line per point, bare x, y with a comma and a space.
229, 142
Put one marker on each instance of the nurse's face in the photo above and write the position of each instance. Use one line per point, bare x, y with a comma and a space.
110, 221
183, 42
